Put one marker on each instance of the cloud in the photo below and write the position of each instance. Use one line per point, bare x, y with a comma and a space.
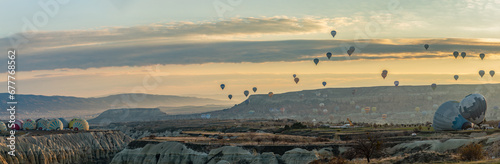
193, 43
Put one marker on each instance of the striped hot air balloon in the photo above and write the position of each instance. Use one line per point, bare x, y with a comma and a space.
3, 128
29, 125
78, 124
55, 124
42, 124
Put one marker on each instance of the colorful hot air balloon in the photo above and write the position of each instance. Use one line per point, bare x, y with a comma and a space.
384, 116
270, 94
433, 86
296, 80
447, 117
3, 128
426, 46
230, 96
481, 73
333, 33
29, 124
78, 124
222, 86
316, 61
254, 89
18, 125
473, 108
455, 54
65, 123
55, 124
492, 73
463, 54
324, 83
396, 83
351, 50
246, 93
455, 77
367, 109
417, 109
329, 55
42, 124
384, 73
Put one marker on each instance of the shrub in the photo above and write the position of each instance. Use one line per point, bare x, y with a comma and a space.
471, 152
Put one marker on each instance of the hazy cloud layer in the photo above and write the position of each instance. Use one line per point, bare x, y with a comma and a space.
198, 43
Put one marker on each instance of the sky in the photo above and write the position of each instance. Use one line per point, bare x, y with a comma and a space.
97, 48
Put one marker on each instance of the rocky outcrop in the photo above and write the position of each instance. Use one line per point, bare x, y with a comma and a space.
82, 147
128, 115
174, 152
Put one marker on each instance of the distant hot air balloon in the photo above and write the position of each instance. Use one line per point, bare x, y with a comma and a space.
316, 61
384, 116
230, 96
55, 124
417, 109
455, 77
455, 53
473, 108
481, 56
325, 111
294, 75
324, 83
246, 93
29, 125
433, 86
42, 124
321, 104
296, 80
333, 33
384, 73
426, 46
351, 50
463, 54
270, 94
396, 83
254, 89
77, 124
374, 109
222, 86
447, 117
492, 73
367, 109
18, 125
481, 73
3, 128
329, 55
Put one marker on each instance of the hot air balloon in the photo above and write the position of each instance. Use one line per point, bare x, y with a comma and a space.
29, 124
350, 50
222, 86
455, 77
324, 83
481, 73
3, 128
426, 46
329, 55
463, 54
296, 80
396, 83
384, 73
294, 75
384, 116
473, 108
455, 54
316, 61
42, 124
230, 96
270, 94
374, 109
333, 33
433, 86
481, 56
448, 117
367, 109
77, 124
492, 73
254, 89
18, 125
246, 93
55, 124
325, 111
321, 104
417, 109
65, 123
282, 109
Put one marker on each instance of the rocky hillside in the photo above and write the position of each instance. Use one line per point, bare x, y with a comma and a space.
128, 115
82, 147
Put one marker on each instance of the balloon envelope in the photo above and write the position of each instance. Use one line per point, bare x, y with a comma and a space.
384, 73
481, 56
455, 54
333, 33
254, 89
270, 94
463, 54
29, 124
473, 108
426, 46
316, 61
396, 83
455, 77
481, 73
329, 55
492, 73
230, 96
222, 86
3, 128
296, 80
447, 117
294, 75
246, 93
433, 86
324, 83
